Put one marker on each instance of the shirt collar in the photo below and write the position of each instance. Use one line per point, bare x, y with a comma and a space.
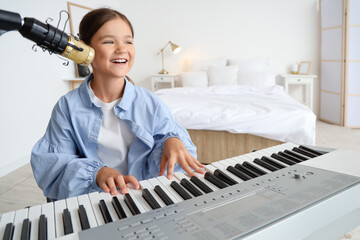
125, 103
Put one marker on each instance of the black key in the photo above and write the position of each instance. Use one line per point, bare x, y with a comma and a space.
191, 188
84, 221
302, 157
200, 184
272, 162
9, 231
105, 211
25, 229
131, 204
214, 180
311, 150
283, 159
265, 164
225, 178
150, 199
118, 208
254, 168
42, 227
247, 171
290, 157
180, 190
304, 152
167, 200
238, 173
68, 228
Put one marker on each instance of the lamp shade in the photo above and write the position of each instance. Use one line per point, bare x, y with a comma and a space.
175, 48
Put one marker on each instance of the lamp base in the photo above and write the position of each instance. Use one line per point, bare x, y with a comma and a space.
163, 72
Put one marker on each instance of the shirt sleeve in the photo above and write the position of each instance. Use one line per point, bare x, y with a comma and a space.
165, 127
58, 168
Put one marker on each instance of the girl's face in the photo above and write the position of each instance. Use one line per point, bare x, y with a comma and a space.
114, 49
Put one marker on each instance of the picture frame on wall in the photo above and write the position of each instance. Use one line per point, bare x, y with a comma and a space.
304, 68
77, 12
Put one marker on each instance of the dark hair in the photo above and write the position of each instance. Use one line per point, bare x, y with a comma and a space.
94, 20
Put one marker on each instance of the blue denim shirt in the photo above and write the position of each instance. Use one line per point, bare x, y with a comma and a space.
64, 160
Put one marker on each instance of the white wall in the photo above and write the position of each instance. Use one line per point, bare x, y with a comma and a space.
31, 83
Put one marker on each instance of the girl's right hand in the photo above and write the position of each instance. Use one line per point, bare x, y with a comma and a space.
108, 179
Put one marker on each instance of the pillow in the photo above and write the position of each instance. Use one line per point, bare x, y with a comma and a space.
203, 65
222, 75
194, 79
251, 65
256, 79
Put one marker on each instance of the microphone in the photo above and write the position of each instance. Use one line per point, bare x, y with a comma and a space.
48, 37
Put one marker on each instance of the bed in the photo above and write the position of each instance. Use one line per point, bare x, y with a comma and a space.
228, 112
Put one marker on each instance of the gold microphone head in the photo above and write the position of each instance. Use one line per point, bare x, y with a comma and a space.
83, 57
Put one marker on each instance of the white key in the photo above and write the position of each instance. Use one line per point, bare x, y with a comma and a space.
59, 207
124, 206
155, 181
107, 198
140, 202
94, 198
5, 219
20, 215
73, 207
85, 201
34, 217
145, 184
222, 167
48, 210
166, 183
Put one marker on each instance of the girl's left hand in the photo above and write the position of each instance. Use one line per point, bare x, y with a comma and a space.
175, 152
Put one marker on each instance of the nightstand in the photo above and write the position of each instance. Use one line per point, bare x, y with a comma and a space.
301, 80
162, 78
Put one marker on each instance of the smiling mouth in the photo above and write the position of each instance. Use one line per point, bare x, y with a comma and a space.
119, 61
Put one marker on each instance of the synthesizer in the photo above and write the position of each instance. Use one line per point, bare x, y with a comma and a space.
286, 191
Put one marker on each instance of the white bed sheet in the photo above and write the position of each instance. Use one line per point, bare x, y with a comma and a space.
266, 112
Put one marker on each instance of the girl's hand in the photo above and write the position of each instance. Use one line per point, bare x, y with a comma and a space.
108, 179
175, 152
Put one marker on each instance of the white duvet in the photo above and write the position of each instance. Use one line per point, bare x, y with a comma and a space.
266, 112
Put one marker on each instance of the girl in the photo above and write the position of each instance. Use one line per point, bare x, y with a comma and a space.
108, 133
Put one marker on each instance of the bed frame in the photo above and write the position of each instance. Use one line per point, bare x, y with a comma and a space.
213, 146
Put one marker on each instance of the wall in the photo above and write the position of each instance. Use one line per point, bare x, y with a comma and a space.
31, 83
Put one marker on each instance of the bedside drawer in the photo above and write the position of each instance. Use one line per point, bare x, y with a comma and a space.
298, 80
163, 79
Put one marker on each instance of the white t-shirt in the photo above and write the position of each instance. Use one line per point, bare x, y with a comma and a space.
115, 137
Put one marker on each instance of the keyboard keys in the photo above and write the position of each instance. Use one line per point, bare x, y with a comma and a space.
177, 187
25, 230
150, 199
167, 200
83, 218
247, 171
200, 184
304, 152
146, 184
224, 177
254, 168
9, 231
42, 227
238, 173
20, 216
118, 208
105, 211
131, 204
68, 228
214, 180
191, 188
310, 150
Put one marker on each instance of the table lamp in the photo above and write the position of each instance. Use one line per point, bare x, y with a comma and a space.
174, 48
